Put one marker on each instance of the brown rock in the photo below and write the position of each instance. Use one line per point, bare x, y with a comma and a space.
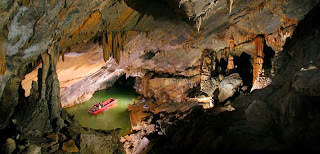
70, 146
261, 82
53, 137
229, 86
32, 149
54, 148
230, 65
10, 145
62, 137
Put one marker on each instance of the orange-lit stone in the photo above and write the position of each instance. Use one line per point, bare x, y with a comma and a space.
91, 22
258, 56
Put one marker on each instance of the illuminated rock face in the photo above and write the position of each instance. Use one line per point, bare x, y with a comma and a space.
258, 57
159, 42
61, 23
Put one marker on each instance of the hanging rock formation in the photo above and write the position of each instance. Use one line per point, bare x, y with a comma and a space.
165, 51
113, 44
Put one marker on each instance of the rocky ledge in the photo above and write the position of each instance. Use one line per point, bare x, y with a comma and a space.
68, 137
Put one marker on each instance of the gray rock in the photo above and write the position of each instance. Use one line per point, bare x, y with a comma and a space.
97, 143
228, 86
307, 82
53, 148
59, 124
32, 149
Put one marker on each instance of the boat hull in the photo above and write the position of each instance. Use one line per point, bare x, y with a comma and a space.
108, 104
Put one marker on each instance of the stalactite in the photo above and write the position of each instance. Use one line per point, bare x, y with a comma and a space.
258, 56
231, 44
105, 47
198, 23
63, 51
127, 56
113, 44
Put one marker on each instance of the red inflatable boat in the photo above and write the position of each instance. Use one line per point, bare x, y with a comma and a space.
110, 103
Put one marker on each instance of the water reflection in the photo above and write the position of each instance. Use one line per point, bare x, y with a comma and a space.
117, 117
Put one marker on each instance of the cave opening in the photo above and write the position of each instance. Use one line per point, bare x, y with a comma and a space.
117, 117
244, 68
267, 61
85, 79
189, 76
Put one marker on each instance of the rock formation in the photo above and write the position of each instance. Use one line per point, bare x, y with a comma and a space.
178, 51
258, 57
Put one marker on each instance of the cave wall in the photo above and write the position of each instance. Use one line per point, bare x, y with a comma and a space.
281, 117
176, 37
29, 32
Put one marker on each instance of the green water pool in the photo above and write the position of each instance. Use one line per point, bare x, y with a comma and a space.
117, 117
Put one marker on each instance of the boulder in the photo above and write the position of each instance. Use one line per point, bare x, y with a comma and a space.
261, 82
70, 146
62, 137
58, 124
53, 137
9, 146
228, 86
98, 143
53, 148
32, 149
258, 116
307, 82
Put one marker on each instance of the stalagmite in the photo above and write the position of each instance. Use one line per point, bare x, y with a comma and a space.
3, 50
230, 65
230, 2
231, 44
258, 57
45, 68
2, 62
207, 61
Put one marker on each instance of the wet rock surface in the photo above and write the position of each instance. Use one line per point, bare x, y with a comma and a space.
164, 49
103, 78
281, 116
71, 138
70, 146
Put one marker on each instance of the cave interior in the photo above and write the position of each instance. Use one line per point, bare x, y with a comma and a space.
192, 76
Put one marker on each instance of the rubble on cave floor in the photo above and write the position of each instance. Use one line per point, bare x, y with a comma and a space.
153, 119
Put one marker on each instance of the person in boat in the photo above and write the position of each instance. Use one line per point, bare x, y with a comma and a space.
99, 106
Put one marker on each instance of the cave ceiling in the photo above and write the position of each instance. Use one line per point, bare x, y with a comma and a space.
29, 28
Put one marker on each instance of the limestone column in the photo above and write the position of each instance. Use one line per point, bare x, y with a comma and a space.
207, 63
258, 57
